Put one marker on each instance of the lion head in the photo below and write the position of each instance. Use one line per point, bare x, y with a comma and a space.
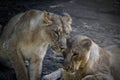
58, 30
78, 53
43, 26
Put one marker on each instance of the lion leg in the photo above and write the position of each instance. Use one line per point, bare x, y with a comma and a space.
54, 75
98, 77
18, 65
35, 67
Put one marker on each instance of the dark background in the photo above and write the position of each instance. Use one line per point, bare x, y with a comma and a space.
98, 19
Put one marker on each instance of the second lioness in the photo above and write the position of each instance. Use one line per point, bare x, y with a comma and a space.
27, 36
85, 60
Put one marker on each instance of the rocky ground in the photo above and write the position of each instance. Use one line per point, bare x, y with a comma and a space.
98, 19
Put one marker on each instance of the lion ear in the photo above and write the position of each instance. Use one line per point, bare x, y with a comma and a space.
68, 18
47, 18
86, 43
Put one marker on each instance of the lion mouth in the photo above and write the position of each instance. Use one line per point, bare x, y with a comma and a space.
54, 47
70, 71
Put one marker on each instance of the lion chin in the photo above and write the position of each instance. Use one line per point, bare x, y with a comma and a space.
56, 51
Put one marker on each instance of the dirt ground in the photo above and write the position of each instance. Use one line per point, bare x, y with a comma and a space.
98, 19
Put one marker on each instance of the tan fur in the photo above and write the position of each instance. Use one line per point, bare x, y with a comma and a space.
27, 36
85, 60
100, 65
94, 62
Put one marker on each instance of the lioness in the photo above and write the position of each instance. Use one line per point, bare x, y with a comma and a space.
85, 60
27, 36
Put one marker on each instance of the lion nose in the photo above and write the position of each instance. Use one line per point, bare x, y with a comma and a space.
66, 65
63, 46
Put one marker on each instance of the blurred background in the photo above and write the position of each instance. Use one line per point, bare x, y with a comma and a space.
98, 19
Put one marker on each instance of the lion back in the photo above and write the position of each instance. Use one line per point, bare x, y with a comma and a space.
9, 28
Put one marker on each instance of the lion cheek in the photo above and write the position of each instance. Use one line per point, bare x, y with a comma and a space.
77, 65
86, 58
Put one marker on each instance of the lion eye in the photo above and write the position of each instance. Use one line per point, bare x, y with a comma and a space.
57, 35
56, 32
75, 54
